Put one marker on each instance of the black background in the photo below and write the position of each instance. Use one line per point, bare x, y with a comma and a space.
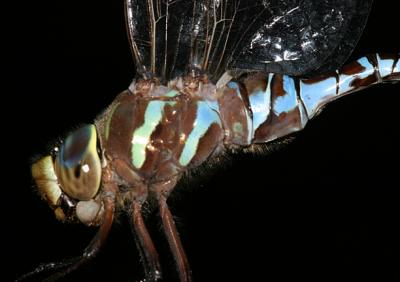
323, 208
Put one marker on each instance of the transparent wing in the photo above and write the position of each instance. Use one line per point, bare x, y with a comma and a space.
169, 37
351, 35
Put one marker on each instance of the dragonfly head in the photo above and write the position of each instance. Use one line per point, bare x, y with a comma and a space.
69, 179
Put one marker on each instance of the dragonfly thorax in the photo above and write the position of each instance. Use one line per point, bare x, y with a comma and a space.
152, 133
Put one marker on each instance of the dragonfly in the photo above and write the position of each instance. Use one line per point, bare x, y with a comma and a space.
226, 63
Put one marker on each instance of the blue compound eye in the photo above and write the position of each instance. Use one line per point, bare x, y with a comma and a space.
78, 166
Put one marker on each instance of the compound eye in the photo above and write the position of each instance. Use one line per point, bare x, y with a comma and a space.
78, 166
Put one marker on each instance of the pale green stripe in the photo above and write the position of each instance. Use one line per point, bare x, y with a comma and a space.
205, 117
108, 122
172, 93
141, 136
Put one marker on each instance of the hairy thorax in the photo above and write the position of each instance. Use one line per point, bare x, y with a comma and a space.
153, 133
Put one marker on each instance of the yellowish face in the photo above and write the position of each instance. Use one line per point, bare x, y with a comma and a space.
70, 180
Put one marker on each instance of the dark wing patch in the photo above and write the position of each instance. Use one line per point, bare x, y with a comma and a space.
171, 37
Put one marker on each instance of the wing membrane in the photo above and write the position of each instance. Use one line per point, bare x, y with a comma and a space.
170, 37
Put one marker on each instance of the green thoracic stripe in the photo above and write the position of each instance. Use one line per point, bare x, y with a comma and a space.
204, 119
172, 93
141, 136
108, 122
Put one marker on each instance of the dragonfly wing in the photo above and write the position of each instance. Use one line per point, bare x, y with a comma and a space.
300, 37
171, 37
348, 42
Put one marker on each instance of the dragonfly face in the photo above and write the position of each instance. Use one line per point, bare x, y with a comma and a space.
70, 179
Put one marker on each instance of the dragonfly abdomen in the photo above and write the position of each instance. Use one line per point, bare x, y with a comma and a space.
270, 108
366, 71
277, 105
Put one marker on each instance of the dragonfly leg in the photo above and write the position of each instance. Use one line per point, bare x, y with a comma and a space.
174, 241
145, 244
90, 252
160, 192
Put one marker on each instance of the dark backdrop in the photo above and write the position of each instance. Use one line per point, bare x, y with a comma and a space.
323, 208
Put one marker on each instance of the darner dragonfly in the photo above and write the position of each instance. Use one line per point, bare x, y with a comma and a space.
246, 119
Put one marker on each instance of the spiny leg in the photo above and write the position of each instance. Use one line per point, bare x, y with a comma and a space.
145, 244
173, 240
90, 251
